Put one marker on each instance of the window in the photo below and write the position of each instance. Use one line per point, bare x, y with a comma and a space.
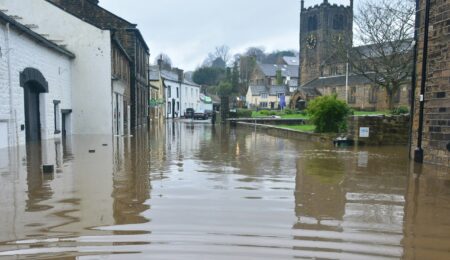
264, 95
279, 95
352, 95
312, 23
178, 93
263, 104
56, 116
169, 91
396, 97
338, 22
373, 94
178, 106
169, 108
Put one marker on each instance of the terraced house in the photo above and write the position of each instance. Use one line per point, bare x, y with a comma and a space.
129, 39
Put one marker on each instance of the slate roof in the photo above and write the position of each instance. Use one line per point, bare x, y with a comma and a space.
270, 90
34, 36
154, 73
172, 76
293, 61
270, 70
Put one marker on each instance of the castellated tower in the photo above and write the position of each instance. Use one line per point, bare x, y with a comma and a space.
322, 27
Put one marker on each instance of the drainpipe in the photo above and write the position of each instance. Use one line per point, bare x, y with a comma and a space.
414, 76
12, 127
418, 153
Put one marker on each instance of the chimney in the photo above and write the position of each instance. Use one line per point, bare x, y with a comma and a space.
303, 4
160, 62
351, 4
325, 1
180, 73
94, 1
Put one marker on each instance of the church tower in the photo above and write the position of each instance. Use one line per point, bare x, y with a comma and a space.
322, 28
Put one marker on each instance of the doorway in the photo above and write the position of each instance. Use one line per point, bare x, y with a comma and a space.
32, 113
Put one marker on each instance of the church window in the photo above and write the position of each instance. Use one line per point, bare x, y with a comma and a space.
312, 23
352, 95
338, 22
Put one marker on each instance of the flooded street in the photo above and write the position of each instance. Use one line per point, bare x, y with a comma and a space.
194, 191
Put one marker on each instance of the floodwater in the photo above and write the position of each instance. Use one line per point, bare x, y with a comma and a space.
194, 191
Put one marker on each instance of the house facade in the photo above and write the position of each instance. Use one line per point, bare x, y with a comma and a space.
275, 75
91, 90
157, 95
132, 42
35, 86
268, 97
180, 93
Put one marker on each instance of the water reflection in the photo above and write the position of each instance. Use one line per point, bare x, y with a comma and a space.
189, 190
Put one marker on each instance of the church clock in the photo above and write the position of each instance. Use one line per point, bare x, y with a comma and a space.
311, 41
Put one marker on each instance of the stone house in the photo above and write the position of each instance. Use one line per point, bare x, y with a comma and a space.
431, 106
321, 71
91, 71
270, 74
267, 97
133, 43
35, 86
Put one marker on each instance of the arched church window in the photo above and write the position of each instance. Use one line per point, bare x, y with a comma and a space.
312, 23
338, 22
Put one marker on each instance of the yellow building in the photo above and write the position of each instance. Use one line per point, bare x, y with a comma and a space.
157, 96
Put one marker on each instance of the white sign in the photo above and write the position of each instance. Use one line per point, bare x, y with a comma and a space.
364, 132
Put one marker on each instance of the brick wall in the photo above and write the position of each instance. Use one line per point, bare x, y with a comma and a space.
436, 131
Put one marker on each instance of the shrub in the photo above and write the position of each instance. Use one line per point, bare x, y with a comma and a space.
328, 114
244, 113
289, 111
264, 112
400, 111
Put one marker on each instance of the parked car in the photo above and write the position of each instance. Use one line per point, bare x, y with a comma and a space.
189, 113
200, 115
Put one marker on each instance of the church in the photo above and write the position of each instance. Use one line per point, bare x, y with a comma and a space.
322, 72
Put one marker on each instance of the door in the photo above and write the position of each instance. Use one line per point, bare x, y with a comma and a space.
32, 115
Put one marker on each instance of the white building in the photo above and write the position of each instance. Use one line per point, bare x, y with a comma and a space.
35, 86
180, 93
91, 70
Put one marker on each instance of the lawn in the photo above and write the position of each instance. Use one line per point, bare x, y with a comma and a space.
282, 115
371, 113
301, 128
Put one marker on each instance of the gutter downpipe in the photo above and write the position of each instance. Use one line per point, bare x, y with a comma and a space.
12, 129
418, 153
414, 77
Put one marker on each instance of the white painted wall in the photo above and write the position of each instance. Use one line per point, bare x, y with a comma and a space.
91, 70
190, 97
55, 67
171, 94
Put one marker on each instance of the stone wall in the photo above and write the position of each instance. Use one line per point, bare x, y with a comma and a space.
383, 130
436, 130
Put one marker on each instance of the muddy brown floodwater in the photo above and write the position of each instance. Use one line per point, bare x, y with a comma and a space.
194, 191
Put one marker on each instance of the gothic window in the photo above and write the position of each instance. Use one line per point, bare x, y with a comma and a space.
312, 23
338, 22
373, 94
396, 97
352, 95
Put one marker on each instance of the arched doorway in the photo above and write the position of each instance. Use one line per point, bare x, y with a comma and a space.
33, 83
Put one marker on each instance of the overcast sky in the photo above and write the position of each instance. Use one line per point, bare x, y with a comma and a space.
187, 30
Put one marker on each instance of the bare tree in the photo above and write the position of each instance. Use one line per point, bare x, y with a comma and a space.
256, 52
220, 54
384, 31
164, 62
